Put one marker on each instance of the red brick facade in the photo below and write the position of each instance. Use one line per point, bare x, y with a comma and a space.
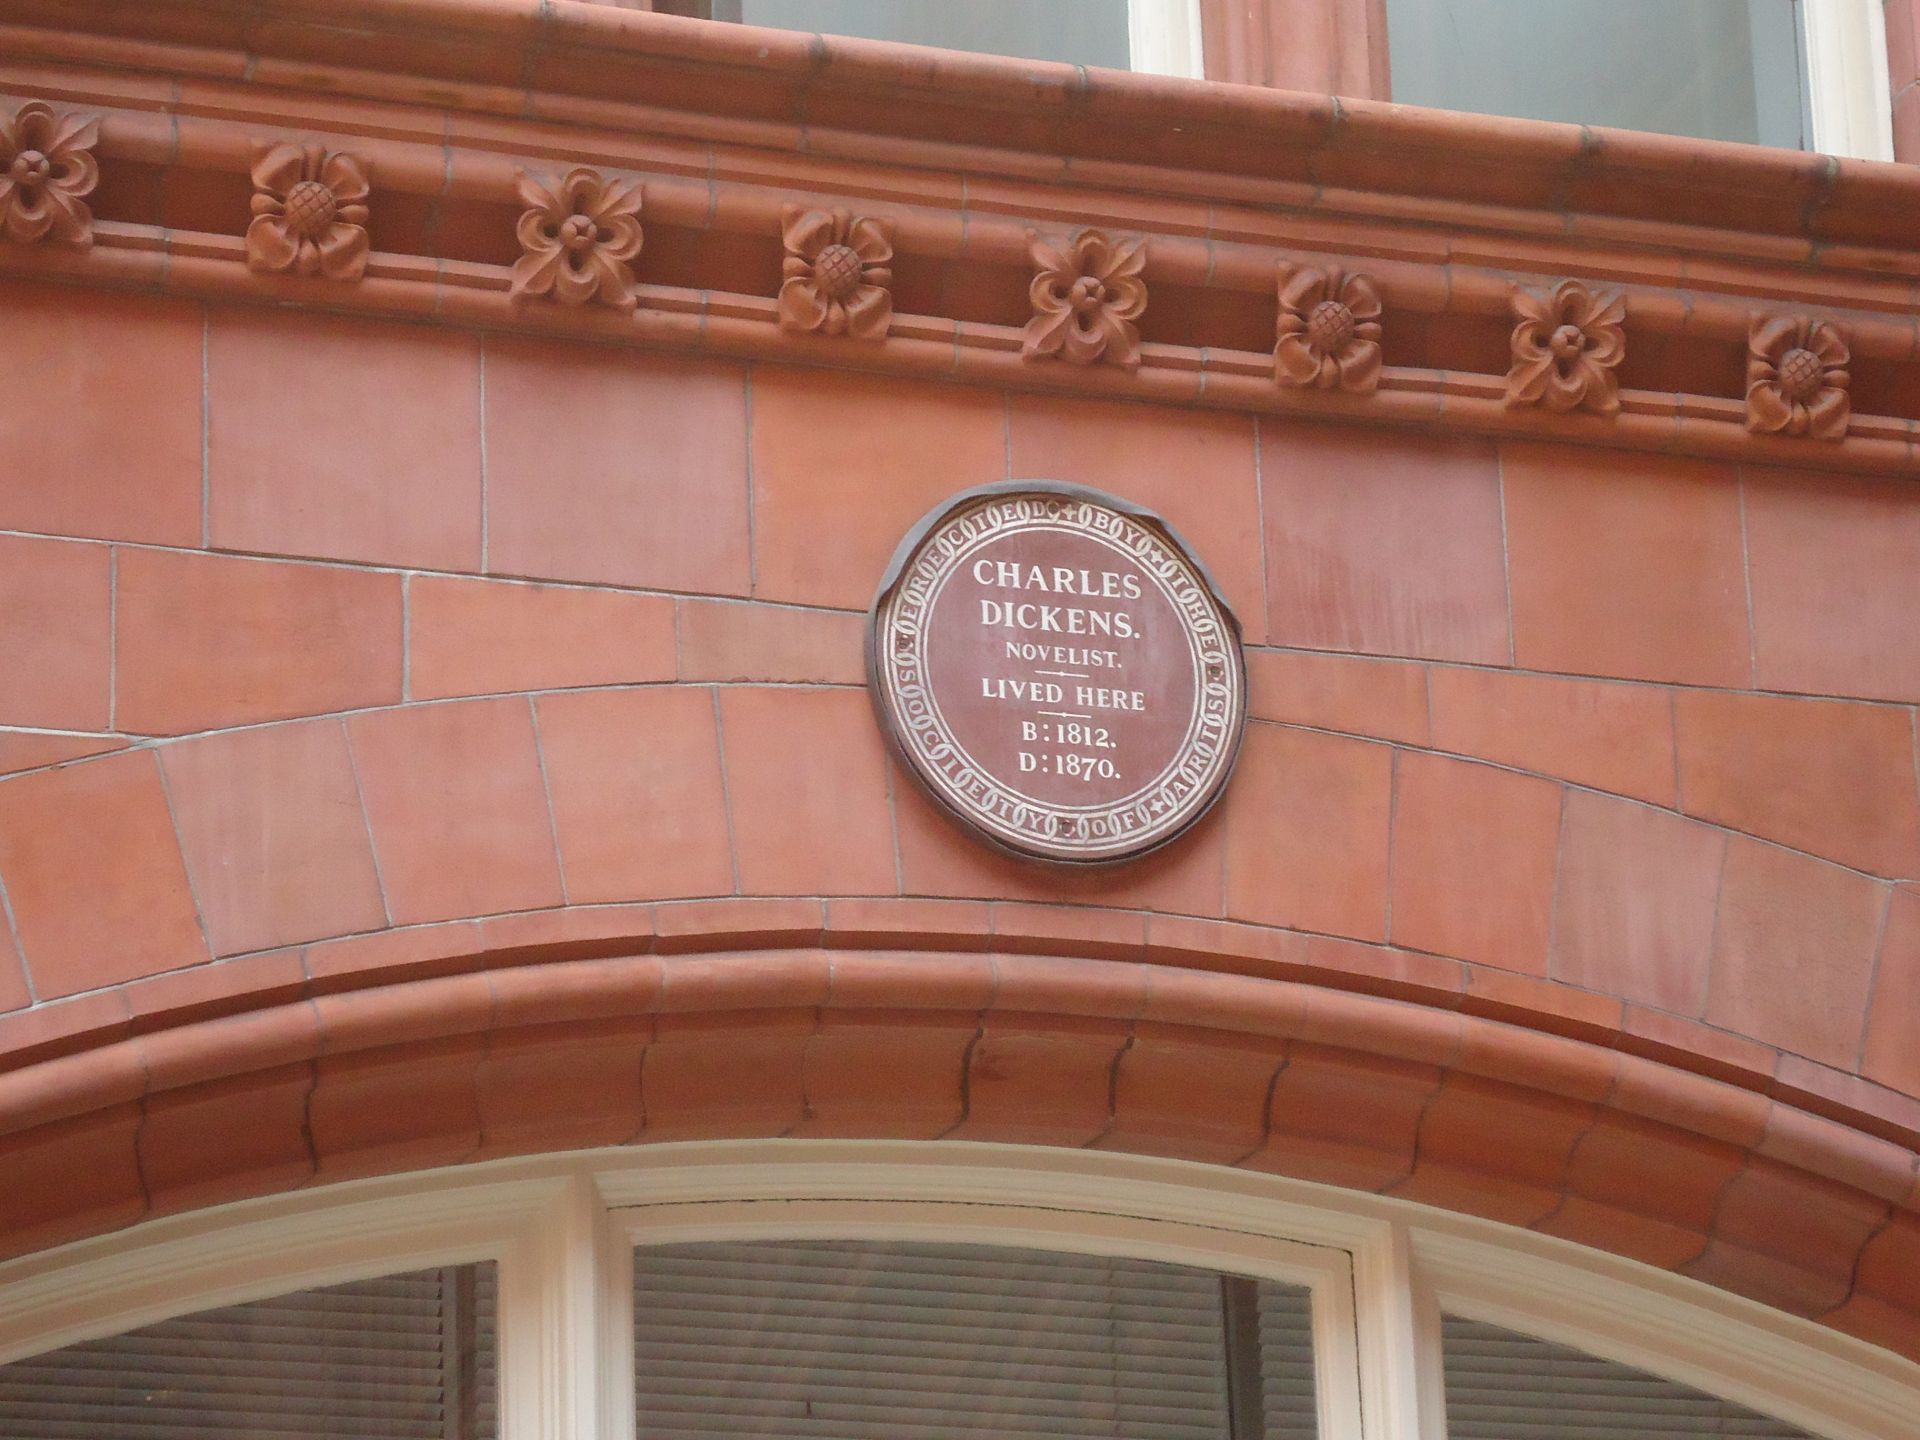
449, 710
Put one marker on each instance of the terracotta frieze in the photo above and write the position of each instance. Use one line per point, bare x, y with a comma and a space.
1086, 296
577, 235
1329, 330
836, 277
309, 212
46, 171
530, 225
1797, 379
1567, 342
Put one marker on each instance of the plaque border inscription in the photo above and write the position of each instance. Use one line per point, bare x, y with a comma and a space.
1064, 838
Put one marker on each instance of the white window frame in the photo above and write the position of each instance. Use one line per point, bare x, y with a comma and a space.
1163, 38
562, 1231
1849, 92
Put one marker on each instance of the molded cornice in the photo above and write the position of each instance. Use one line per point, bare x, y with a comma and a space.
726, 137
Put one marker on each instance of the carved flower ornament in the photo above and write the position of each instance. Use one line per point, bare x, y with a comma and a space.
1797, 378
837, 273
1329, 333
46, 166
1085, 299
577, 234
1565, 346
309, 212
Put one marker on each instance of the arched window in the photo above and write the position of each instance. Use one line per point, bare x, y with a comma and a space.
824, 1291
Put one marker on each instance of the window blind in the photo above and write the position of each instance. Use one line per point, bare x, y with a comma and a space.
403, 1357
857, 1341
1506, 1386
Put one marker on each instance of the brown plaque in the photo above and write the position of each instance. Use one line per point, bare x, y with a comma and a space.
1057, 671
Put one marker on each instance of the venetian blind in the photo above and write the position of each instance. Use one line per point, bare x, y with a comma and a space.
1505, 1386
403, 1357
856, 1341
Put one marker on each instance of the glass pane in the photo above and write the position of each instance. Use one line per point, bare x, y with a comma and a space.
1717, 69
818, 1340
1503, 1386
404, 1357
1084, 32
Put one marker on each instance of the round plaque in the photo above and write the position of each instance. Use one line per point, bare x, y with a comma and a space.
1057, 671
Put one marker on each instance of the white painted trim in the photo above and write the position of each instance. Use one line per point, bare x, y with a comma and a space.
566, 1340
1163, 38
1849, 92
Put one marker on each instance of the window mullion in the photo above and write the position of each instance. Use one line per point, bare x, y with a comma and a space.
1398, 1342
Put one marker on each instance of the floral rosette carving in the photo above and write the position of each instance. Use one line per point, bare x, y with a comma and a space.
1797, 381
837, 273
309, 212
46, 170
1329, 331
1085, 300
1566, 343
577, 234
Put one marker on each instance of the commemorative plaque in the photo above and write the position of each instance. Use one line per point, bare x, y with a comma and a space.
1056, 669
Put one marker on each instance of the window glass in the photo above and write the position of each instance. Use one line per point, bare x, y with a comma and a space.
855, 1341
1716, 69
1504, 1386
1085, 32
404, 1357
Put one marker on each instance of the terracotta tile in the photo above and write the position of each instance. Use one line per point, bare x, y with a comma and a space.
738, 1075
1634, 914
746, 923
1818, 775
25, 750
343, 439
1712, 1051
1223, 945
94, 874
1682, 1100
71, 1085
1594, 732
569, 992
1341, 1117
1306, 821
1385, 699
621, 468
885, 1076
1041, 1081
1154, 456
228, 1140
274, 837
1835, 565
562, 1087
638, 802
807, 790
1546, 1005
1788, 1239
209, 992
1056, 985
458, 809
489, 637
101, 1190
1383, 543
13, 975
63, 1027
1415, 1032
1494, 1150
916, 924
757, 980
870, 979
1473, 861
403, 1013
204, 641
1069, 930
1192, 1094
1793, 952
1862, 1105
1537, 1060
1644, 1189
408, 1107
542, 937
1837, 1151
1892, 1053
1626, 564
390, 955
1882, 1306
1241, 1004
740, 641
938, 858
55, 623
131, 367
841, 473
